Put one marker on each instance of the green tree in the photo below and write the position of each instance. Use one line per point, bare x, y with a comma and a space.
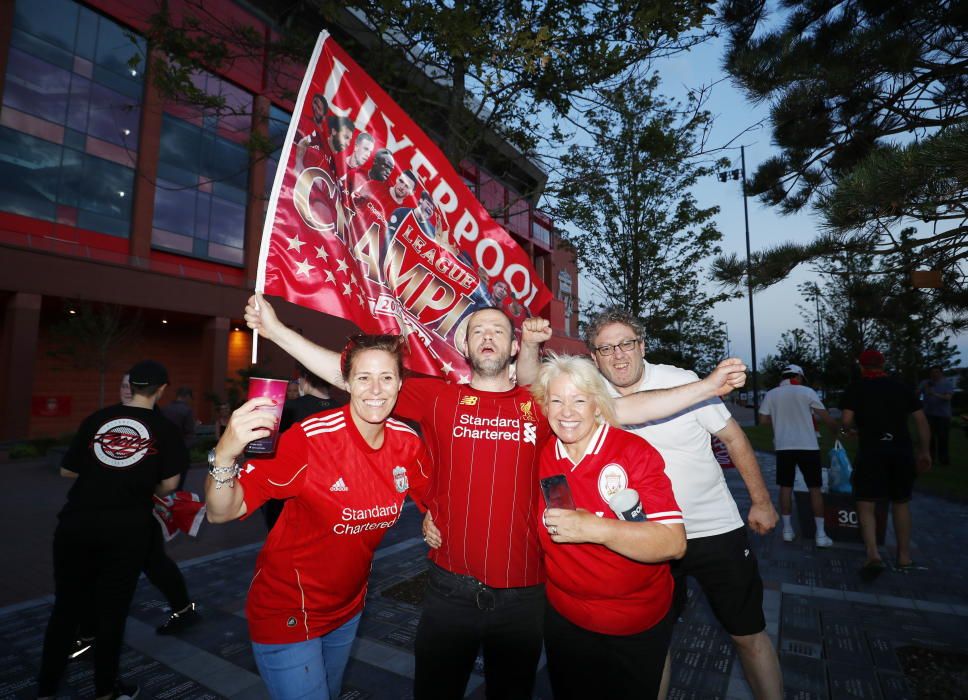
869, 106
471, 69
869, 301
89, 336
640, 237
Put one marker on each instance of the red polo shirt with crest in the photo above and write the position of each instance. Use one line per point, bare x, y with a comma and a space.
311, 575
589, 584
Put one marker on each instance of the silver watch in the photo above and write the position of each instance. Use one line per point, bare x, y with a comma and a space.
211, 461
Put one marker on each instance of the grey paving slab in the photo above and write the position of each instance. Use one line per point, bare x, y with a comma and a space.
838, 636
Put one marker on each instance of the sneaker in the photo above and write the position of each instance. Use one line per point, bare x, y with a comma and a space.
80, 647
180, 621
125, 691
789, 535
823, 541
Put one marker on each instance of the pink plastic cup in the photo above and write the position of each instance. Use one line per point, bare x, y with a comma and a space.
274, 389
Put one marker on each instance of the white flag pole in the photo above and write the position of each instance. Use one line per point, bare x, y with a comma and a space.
260, 278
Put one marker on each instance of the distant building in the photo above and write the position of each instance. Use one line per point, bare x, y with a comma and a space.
110, 195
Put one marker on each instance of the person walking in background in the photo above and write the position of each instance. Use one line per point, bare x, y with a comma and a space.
790, 409
886, 465
122, 454
936, 392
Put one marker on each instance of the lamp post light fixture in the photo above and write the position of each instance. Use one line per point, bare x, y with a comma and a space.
726, 176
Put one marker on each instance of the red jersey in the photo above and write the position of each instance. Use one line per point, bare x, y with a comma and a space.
589, 584
484, 492
377, 196
311, 575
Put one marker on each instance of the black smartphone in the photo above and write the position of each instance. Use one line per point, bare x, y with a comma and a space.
556, 492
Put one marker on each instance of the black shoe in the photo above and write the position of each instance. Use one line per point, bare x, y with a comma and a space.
125, 691
80, 647
180, 621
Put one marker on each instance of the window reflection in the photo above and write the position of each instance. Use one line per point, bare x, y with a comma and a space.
72, 106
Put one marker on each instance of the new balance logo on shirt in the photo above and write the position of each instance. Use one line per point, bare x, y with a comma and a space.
340, 485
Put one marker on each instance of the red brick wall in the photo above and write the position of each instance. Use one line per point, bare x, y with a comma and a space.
174, 344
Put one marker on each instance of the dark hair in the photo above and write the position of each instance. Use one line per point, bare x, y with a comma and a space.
315, 381
363, 136
608, 315
145, 390
337, 123
426, 195
409, 173
183, 391
392, 344
319, 96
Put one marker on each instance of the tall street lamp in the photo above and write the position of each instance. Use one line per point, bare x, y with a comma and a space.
740, 174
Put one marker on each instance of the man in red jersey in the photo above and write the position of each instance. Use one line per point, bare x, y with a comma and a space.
486, 588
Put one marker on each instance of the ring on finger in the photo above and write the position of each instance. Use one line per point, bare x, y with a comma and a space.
553, 529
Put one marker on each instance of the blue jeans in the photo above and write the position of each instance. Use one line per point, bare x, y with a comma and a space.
310, 669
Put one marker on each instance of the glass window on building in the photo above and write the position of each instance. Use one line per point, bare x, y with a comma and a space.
278, 126
69, 123
203, 176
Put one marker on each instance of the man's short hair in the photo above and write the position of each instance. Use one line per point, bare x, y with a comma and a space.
363, 136
336, 123
426, 195
611, 314
313, 380
409, 173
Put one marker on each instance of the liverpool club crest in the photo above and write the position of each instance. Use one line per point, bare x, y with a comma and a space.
400, 479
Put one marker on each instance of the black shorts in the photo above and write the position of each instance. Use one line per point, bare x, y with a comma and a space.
809, 462
726, 570
884, 471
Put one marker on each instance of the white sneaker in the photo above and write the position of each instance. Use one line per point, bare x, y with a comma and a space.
823, 541
789, 535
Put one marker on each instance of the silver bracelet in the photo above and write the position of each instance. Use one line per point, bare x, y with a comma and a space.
224, 475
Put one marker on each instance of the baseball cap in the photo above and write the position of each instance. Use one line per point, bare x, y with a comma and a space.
148, 373
871, 358
793, 369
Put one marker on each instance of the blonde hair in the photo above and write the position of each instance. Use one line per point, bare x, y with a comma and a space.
583, 374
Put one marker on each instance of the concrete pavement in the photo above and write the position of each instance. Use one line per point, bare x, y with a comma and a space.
838, 637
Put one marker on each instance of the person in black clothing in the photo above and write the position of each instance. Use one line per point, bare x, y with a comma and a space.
122, 455
886, 465
180, 413
314, 397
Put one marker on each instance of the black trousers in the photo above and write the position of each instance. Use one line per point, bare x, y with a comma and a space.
583, 664
164, 573
97, 562
462, 616
161, 571
940, 426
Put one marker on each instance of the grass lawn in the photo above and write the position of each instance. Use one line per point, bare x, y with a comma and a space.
949, 482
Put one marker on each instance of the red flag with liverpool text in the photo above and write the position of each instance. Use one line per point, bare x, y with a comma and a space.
368, 221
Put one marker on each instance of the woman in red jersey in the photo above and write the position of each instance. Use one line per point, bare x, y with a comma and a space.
607, 623
345, 473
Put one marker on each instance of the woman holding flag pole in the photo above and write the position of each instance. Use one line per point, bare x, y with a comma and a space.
345, 473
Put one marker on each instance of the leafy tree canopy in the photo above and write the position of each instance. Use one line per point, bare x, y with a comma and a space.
458, 66
640, 236
869, 108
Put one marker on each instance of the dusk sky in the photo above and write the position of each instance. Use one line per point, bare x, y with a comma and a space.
776, 308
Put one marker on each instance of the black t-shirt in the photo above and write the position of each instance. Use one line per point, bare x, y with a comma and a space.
120, 453
299, 409
881, 407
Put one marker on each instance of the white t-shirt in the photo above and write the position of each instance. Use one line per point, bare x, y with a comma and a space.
683, 441
789, 408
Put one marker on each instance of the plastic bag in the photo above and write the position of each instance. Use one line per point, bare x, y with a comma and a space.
840, 469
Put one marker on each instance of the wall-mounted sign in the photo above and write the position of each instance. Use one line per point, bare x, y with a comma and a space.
50, 406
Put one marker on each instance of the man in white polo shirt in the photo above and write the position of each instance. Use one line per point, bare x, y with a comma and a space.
790, 409
718, 555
